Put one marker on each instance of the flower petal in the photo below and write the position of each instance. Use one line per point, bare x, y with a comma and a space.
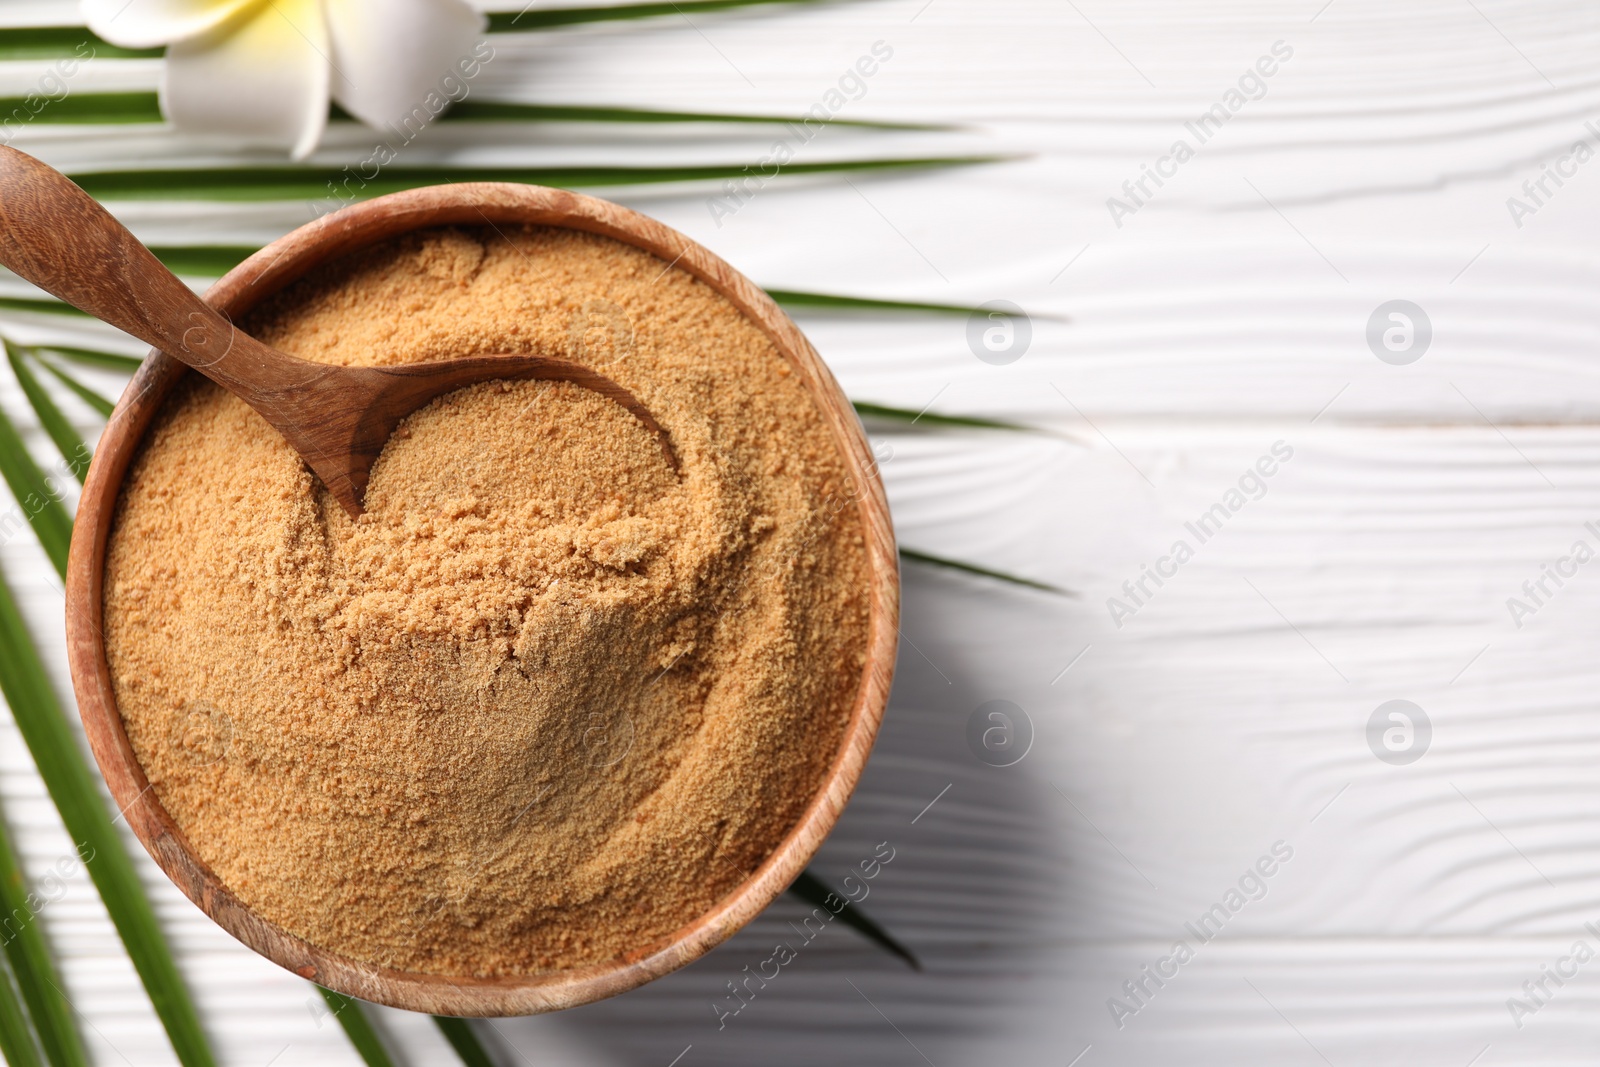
392, 57
147, 23
263, 79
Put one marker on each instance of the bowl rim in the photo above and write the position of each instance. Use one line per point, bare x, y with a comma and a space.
270, 270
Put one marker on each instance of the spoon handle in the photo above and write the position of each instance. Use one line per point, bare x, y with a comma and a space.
59, 238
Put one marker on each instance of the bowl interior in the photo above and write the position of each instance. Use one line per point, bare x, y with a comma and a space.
267, 272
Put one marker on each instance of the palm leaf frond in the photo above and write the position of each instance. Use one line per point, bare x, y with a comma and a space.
94, 358
321, 182
358, 1028
66, 439
16, 1038
40, 305
142, 107
57, 42
29, 957
83, 392
503, 111
76, 109
882, 411
37, 500
981, 572
459, 1033
553, 17
71, 785
207, 261
835, 302
814, 891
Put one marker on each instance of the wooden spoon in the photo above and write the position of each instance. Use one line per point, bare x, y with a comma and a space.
338, 418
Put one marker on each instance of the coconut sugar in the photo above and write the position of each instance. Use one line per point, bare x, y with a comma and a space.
548, 700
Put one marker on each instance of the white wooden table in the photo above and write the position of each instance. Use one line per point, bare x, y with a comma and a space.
1229, 711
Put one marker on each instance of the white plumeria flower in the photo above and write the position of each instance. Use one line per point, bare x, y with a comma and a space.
264, 70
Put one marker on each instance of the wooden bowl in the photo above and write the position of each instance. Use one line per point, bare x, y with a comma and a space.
270, 270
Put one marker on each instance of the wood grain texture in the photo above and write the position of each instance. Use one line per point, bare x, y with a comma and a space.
267, 272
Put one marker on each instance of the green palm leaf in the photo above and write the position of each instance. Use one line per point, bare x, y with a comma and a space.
94, 358
321, 182
87, 395
71, 785
982, 572
16, 1039
56, 42
133, 107
834, 302
552, 17
67, 440
358, 1028
29, 958
38, 500
99, 109
39, 305
500, 111
209, 261
459, 1033
814, 891
883, 411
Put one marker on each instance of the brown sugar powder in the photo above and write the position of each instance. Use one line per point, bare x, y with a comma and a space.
548, 700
